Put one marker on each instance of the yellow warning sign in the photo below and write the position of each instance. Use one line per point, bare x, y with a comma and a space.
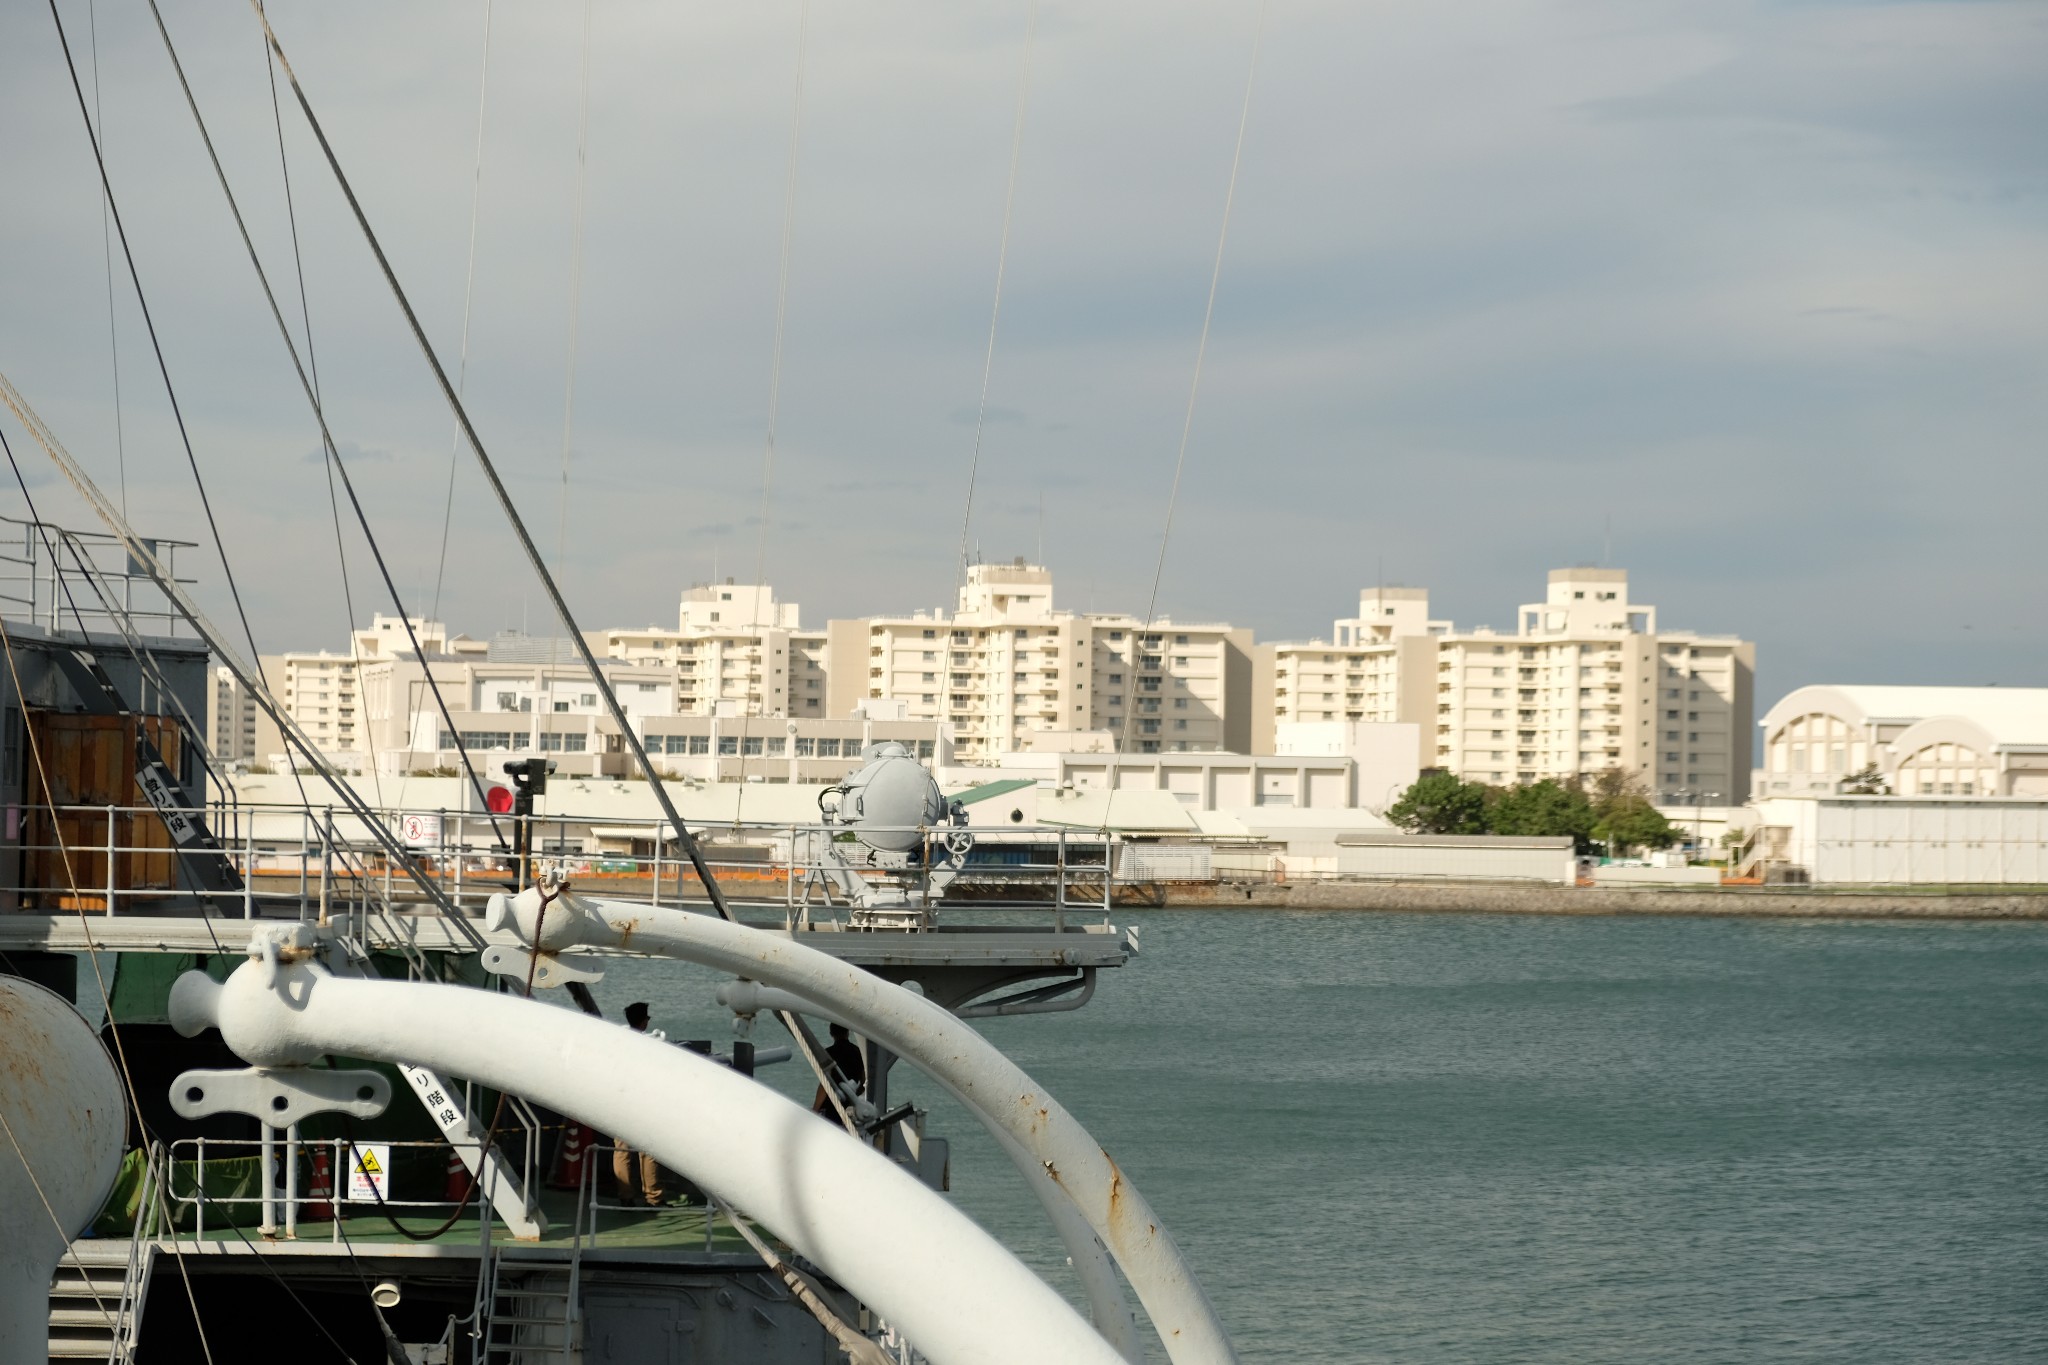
369, 1172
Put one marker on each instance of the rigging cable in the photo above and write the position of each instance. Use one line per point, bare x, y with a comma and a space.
796, 128
92, 954
163, 368
1194, 390
313, 364
575, 316
988, 360
630, 737
145, 665
319, 413
107, 250
476, 189
250, 678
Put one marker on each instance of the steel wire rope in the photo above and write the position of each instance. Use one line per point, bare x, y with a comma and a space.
250, 678
92, 955
107, 251
796, 128
313, 364
504, 498
149, 322
995, 311
143, 666
156, 346
476, 190
226, 1221
462, 362
319, 413
1188, 419
569, 371
490, 1138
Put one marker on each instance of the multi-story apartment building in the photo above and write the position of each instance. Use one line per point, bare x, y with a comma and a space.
1382, 667
734, 646
322, 691
1586, 683
237, 731
1008, 668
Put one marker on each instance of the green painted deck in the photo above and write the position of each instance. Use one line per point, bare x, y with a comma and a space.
671, 1233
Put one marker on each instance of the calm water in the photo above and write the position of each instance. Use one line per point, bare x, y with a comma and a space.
1482, 1138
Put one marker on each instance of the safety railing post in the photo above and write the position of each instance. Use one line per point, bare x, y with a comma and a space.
291, 1181
326, 863
441, 847
1059, 894
461, 850
268, 1161
249, 870
198, 1187
305, 854
113, 848
657, 866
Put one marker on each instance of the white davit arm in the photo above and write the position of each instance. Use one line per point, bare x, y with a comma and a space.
938, 1044
899, 1247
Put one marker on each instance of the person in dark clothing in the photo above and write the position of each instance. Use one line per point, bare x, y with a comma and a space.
843, 1058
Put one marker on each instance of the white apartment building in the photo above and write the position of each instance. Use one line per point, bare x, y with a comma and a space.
1381, 668
733, 645
1589, 683
236, 728
1585, 683
1007, 665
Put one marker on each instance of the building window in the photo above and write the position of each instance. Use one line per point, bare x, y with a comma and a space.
728, 746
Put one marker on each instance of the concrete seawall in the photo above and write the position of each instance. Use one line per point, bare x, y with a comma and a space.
1493, 898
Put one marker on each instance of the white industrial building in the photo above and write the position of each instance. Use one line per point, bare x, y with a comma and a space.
1901, 840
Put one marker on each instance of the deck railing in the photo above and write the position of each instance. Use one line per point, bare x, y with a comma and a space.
324, 865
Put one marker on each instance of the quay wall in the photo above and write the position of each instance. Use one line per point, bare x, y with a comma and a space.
1494, 898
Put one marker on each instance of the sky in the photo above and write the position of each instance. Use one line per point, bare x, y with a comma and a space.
1750, 299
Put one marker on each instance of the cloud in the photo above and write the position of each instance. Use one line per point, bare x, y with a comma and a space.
1762, 283
995, 416
351, 453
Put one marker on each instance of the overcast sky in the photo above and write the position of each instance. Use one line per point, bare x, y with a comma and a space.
1762, 285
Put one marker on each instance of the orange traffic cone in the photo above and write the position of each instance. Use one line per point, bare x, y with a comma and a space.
460, 1186
569, 1157
320, 1190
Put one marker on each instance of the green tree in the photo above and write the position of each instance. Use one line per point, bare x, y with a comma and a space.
1543, 809
1439, 803
1630, 821
1869, 782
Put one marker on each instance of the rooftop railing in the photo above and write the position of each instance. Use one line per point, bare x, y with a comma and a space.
58, 578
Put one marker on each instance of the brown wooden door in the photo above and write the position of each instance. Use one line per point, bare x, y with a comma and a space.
89, 763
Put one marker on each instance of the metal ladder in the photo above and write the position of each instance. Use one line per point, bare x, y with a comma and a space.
531, 1314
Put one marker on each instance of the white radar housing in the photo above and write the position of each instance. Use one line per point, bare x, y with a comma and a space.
889, 801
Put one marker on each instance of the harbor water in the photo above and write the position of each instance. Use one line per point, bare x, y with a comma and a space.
1516, 1138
